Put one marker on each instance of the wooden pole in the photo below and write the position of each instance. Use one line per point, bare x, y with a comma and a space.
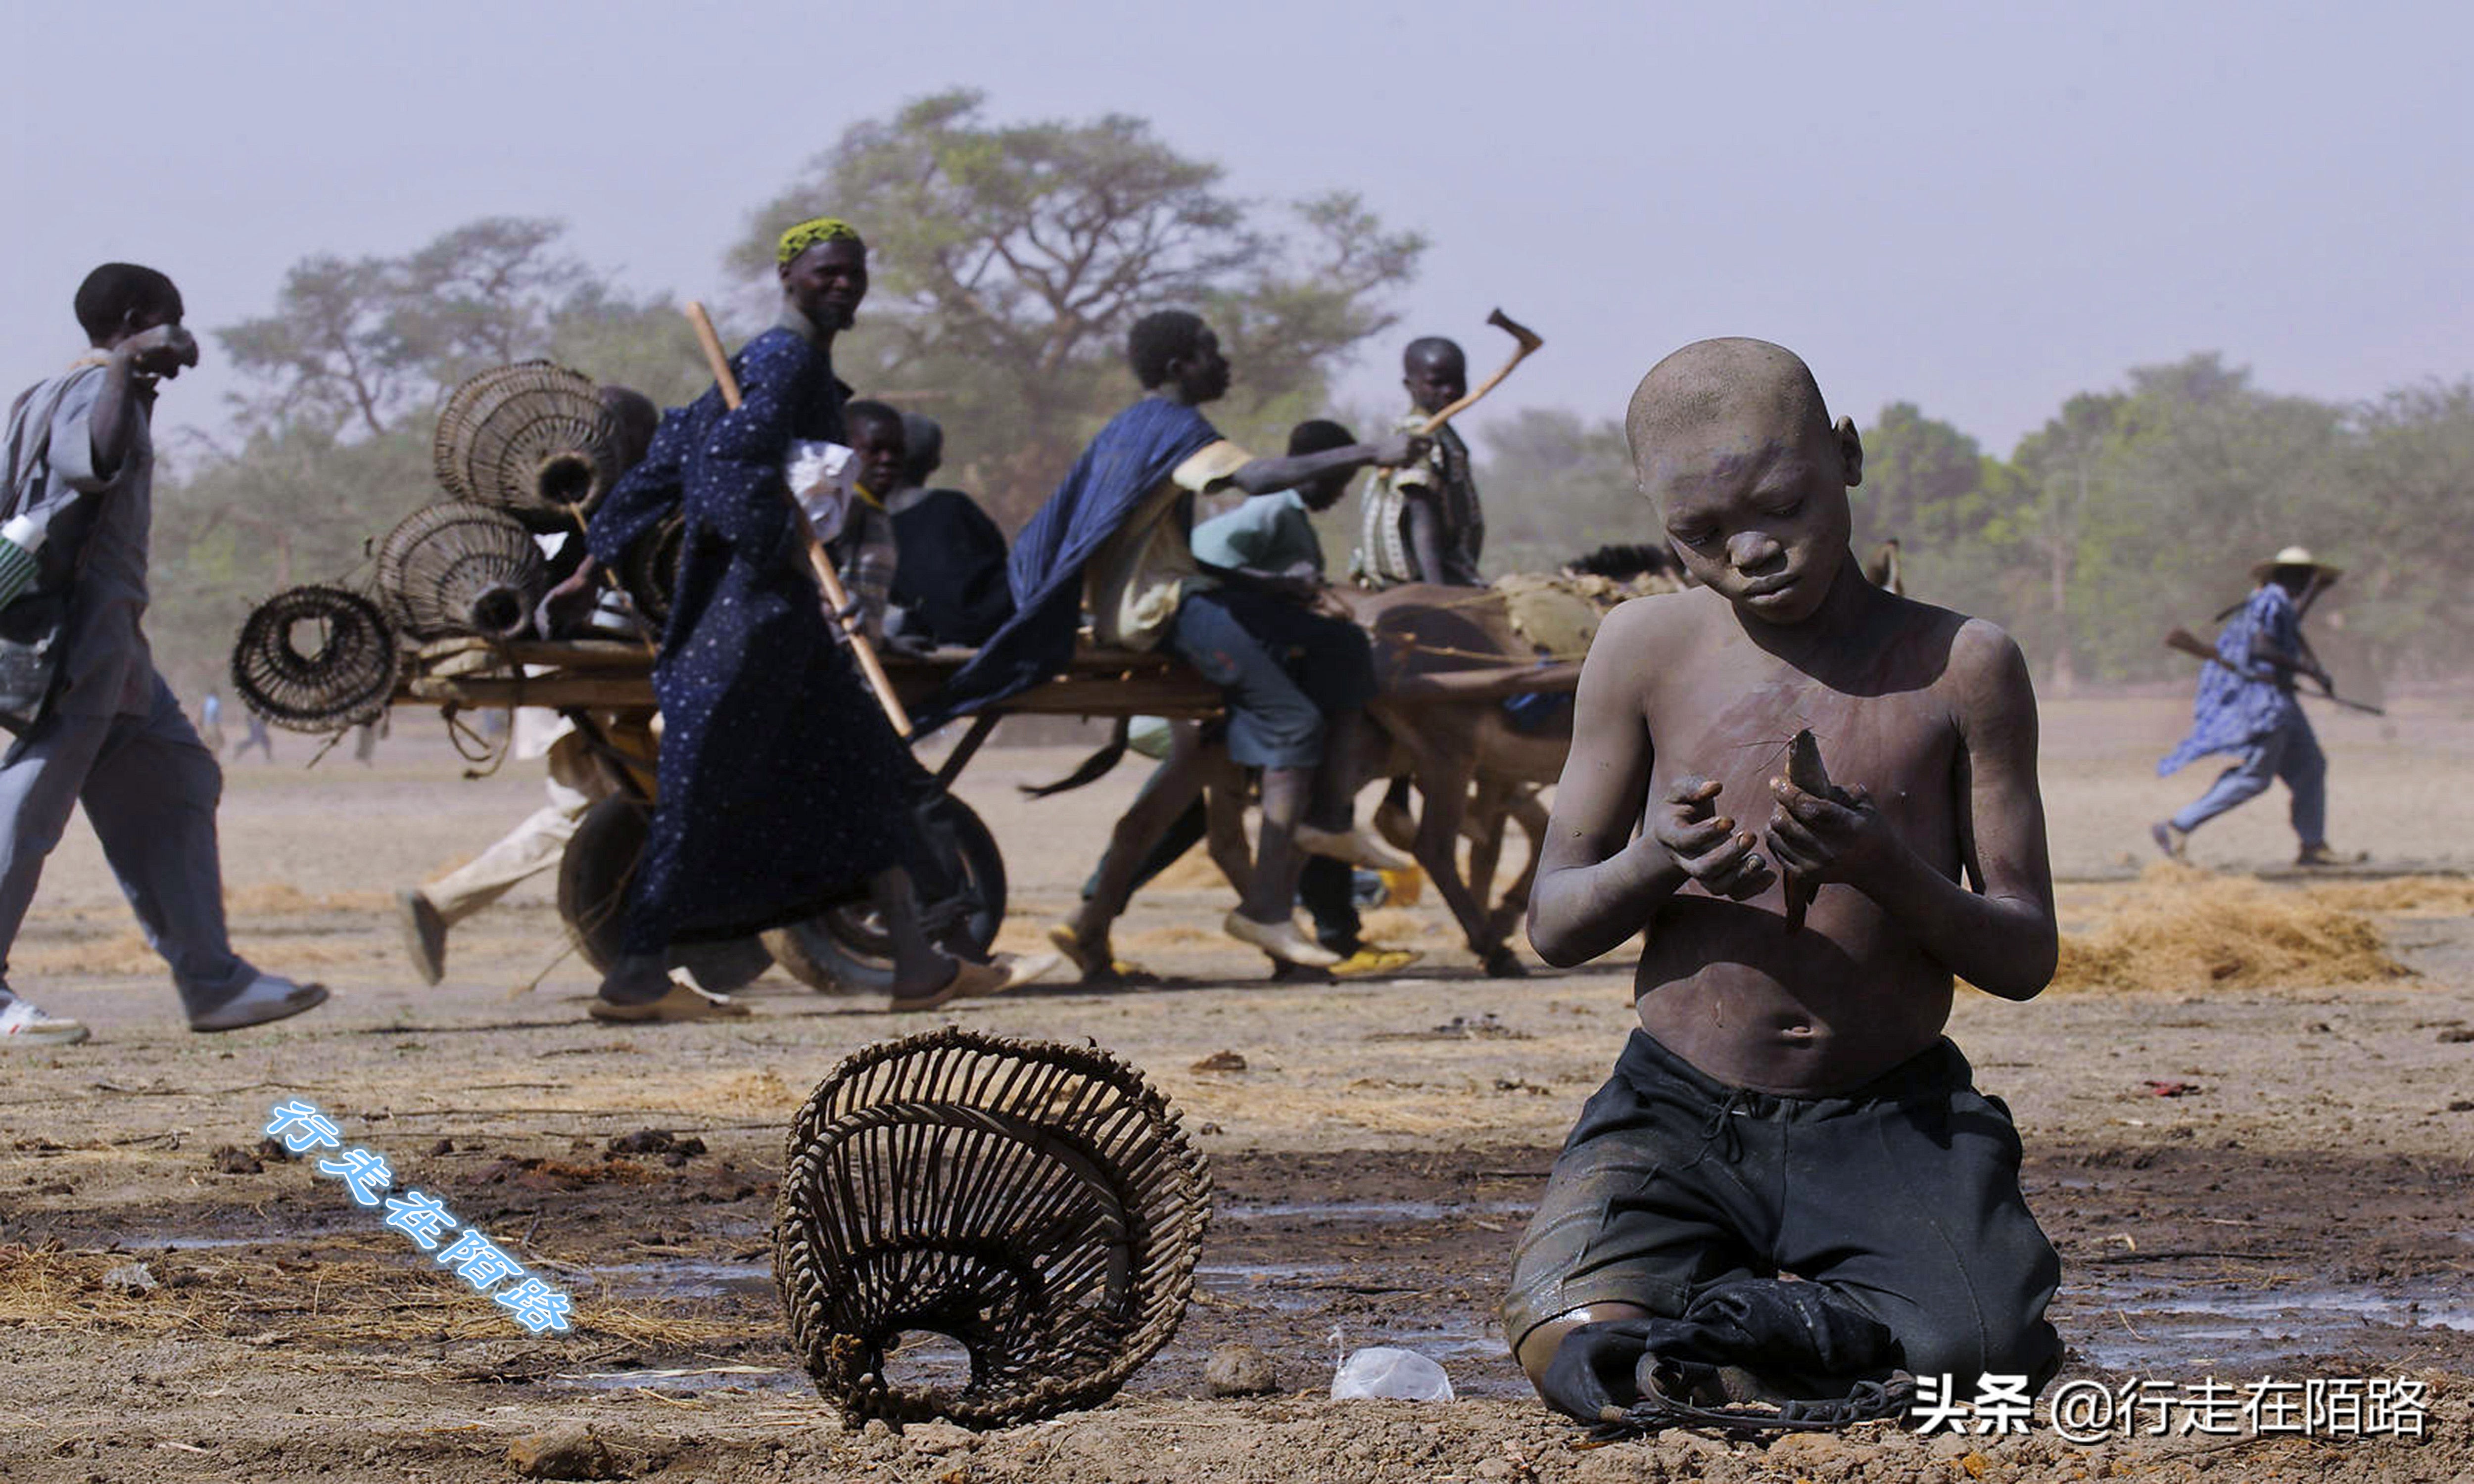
836, 599
1528, 342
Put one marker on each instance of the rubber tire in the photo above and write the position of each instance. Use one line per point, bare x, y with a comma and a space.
844, 951
593, 882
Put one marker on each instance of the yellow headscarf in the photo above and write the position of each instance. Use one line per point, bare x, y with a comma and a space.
807, 233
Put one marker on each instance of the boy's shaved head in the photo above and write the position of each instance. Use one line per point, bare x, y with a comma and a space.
1747, 386
1732, 440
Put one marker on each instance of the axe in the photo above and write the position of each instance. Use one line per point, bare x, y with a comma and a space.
1529, 341
2189, 643
836, 598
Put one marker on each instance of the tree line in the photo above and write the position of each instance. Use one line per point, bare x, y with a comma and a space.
1008, 259
2131, 511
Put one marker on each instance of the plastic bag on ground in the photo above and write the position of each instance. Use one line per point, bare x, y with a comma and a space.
1396, 1375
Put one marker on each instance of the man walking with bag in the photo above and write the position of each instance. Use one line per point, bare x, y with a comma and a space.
93, 720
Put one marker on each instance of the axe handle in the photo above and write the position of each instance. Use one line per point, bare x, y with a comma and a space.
1435, 423
836, 598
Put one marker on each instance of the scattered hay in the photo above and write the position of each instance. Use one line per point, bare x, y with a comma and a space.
124, 953
351, 1303
42, 1289
758, 1091
2179, 928
1194, 872
277, 899
1403, 925
2405, 897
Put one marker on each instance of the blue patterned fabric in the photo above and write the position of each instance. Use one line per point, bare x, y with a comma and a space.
782, 785
2241, 699
1140, 447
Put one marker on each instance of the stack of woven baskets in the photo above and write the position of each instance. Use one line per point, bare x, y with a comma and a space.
521, 450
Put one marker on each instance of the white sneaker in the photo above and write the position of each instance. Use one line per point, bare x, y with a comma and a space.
1280, 940
1354, 845
268, 997
23, 1026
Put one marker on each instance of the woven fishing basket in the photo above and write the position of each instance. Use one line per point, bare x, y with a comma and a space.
316, 659
649, 572
531, 437
460, 568
1035, 1203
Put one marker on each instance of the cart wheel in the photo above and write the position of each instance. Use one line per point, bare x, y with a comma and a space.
593, 883
844, 951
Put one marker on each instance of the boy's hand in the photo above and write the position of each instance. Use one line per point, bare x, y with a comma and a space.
564, 607
1400, 448
1687, 826
161, 352
1827, 839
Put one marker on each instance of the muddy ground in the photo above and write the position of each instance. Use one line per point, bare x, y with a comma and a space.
2269, 1181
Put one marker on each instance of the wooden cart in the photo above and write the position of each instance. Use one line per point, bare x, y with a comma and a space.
605, 691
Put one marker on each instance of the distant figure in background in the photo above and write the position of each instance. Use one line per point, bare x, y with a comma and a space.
95, 723
2246, 706
210, 724
950, 586
253, 733
1421, 522
577, 779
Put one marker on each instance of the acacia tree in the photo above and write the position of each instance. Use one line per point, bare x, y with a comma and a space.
1008, 260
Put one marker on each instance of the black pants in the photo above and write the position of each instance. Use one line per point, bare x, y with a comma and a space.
1327, 887
1902, 1196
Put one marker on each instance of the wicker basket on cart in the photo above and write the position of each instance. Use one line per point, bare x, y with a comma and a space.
316, 659
532, 438
460, 568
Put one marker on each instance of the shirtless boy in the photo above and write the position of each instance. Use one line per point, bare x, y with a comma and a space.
1789, 1174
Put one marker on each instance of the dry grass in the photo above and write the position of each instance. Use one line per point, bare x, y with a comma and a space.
2179, 928
346, 1302
1193, 871
2405, 897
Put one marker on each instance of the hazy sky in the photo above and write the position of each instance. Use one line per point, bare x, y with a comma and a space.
1981, 208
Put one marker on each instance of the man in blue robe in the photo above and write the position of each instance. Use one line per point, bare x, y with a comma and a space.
1121, 525
2246, 706
783, 788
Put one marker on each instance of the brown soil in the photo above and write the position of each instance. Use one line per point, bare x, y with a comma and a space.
2263, 1174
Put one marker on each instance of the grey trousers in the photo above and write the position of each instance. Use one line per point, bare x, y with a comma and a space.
150, 788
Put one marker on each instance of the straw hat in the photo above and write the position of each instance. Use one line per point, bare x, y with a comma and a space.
2296, 556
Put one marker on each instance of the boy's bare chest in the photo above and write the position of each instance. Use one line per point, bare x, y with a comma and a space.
1730, 718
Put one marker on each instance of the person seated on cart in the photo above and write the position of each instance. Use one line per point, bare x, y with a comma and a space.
1269, 540
949, 587
1120, 527
782, 787
864, 550
577, 781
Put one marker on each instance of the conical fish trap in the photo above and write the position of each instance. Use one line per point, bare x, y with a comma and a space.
460, 568
1035, 1203
315, 659
649, 572
532, 437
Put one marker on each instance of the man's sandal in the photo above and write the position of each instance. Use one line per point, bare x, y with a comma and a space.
681, 1002
1097, 965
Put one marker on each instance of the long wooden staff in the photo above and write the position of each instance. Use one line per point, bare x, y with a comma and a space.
818, 561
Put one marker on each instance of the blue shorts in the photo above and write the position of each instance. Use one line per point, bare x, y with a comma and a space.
1283, 666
